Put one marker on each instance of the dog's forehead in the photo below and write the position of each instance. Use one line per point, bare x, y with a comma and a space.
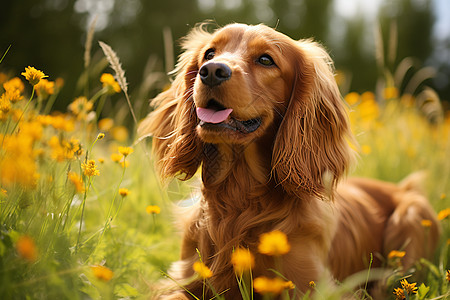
235, 36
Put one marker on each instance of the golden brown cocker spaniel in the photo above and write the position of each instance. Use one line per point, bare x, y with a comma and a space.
262, 116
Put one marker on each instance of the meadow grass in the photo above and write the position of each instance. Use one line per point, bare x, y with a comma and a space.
84, 216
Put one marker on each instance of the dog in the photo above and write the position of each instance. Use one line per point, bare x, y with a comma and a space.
262, 116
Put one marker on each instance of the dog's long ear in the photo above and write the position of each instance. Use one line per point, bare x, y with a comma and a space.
172, 124
311, 149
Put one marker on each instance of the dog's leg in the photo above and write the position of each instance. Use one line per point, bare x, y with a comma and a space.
405, 230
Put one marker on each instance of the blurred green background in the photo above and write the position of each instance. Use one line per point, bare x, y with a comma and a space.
50, 35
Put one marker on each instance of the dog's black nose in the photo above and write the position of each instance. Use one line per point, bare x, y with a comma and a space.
213, 73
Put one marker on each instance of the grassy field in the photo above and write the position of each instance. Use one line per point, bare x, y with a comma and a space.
83, 214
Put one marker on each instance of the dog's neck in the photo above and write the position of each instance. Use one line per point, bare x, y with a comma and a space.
236, 173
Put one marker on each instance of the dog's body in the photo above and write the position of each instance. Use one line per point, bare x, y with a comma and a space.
262, 115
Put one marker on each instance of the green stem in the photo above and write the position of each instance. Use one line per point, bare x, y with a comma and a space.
82, 214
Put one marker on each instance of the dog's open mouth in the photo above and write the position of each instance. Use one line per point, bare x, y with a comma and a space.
215, 119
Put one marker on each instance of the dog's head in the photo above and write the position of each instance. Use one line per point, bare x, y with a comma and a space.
235, 84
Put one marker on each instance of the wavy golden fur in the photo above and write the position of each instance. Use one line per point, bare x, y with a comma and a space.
274, 163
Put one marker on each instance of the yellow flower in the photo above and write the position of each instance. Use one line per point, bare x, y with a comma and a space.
426, 223
116, 157
366, 149
447, 276
399, 294
45, 88
33, 76
274, 243
110, 83
396, 254
443, 214
80, 107
26, 248
352, 98
153, 209
101, 160
105, 124
390, 92
90, 169
119, 133
13, 89
77, 181
275, 286
102, 272
3, 192
125, 151
202, 270
124, 192
242, 260
14, 84
312, 284
5, 104
100, 136
409, 288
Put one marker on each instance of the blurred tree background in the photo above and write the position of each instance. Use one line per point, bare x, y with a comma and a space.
50, 35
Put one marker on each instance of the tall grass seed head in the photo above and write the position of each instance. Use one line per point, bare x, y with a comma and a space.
33, 76
274, 243
242, 260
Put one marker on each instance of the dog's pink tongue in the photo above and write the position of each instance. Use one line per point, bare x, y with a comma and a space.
213, 116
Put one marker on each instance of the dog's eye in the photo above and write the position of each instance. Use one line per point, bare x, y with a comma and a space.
266, 60
209, 54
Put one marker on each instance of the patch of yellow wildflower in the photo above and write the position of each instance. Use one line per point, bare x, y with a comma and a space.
125, 151
242, 260
124, 192
14, 89
426, 223
101, 272
272, 286
396, 254
33, 76
202, 270
45, 88
77, 181
90, 169
26, 248
110, 83
153, 209
274, 243
81, 107
408, 288
17, 164
443, 214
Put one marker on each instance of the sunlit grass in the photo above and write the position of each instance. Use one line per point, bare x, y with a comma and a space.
83, 214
